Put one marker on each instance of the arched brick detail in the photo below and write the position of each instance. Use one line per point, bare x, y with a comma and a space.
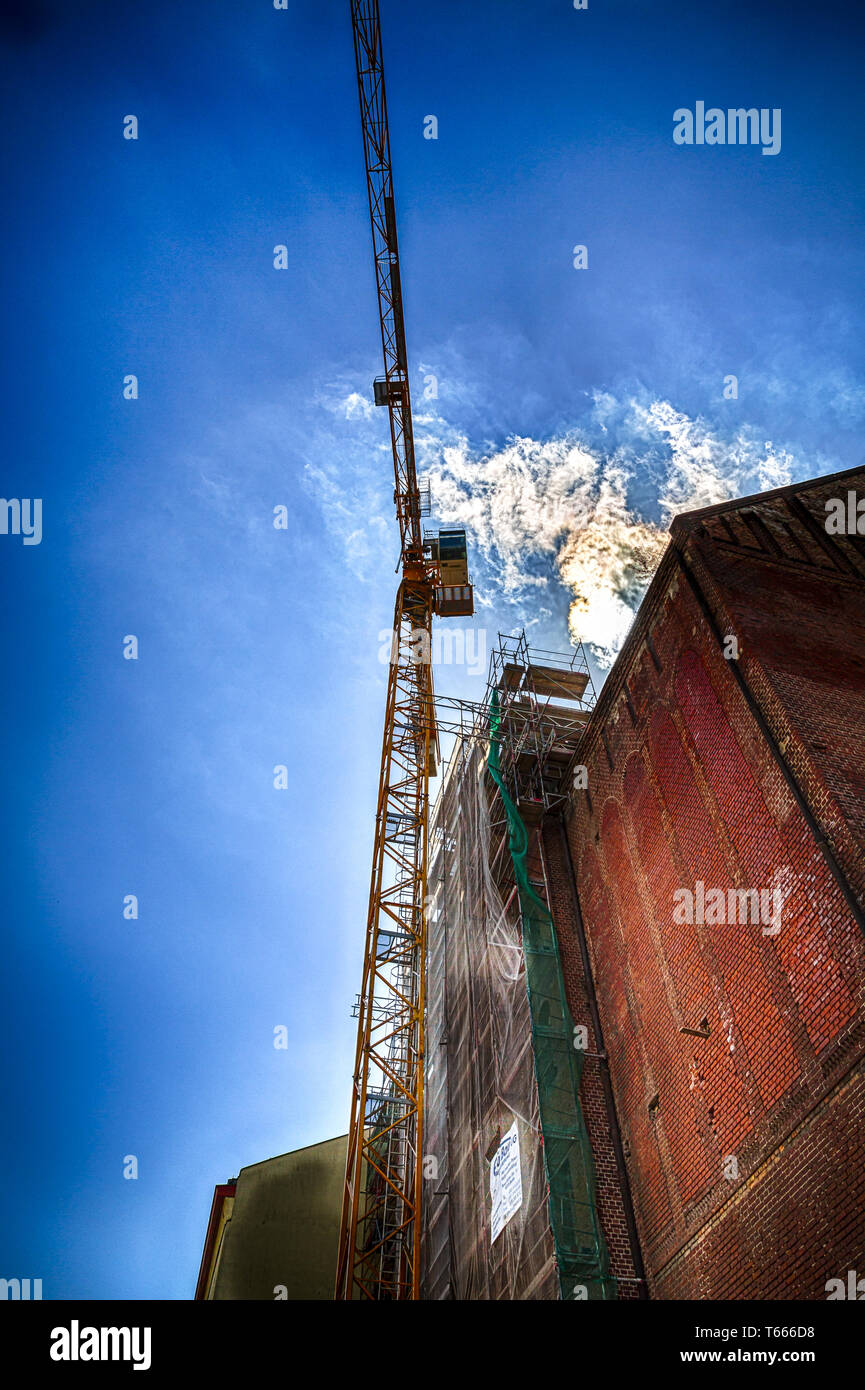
657, 1021
711, 1069
823, 1000
621, 1035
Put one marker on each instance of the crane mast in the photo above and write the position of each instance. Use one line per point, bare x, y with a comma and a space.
380, 1230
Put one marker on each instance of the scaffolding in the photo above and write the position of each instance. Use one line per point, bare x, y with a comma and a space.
499, 1034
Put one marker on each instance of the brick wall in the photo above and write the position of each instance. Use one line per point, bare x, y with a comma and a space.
745, 1148
593, 1100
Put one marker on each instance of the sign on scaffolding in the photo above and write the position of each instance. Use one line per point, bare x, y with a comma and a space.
506, 1182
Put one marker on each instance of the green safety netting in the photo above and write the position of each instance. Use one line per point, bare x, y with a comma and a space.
581, 1251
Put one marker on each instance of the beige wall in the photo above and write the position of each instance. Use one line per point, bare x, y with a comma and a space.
284, 1226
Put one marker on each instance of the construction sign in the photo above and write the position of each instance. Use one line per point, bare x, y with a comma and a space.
506, 1182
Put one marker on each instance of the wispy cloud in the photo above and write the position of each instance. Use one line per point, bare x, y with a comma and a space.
585, 511
591, 509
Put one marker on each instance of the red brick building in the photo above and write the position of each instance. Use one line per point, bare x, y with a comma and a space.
698, 839
727, 749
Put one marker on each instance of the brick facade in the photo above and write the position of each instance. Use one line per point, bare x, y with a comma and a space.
595, 1100
745, 1148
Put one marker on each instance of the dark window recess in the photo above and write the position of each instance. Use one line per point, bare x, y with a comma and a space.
766, 532
631, 710
755, 537
652, 653
788, 529
607, 747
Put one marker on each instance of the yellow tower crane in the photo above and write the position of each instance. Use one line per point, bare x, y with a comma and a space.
380, 1231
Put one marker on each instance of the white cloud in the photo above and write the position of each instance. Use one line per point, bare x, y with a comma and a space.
570, 504
355, 405
588, 510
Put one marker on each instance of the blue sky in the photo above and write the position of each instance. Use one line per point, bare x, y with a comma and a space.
575, 411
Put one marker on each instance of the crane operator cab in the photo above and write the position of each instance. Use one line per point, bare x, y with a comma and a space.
454, 596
